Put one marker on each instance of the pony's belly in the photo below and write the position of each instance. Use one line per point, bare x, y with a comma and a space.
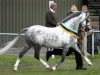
57, 44
48, 41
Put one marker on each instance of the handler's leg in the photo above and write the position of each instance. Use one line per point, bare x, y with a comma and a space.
79, 61
49, 54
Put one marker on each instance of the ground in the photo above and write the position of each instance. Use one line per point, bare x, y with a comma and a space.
31, 66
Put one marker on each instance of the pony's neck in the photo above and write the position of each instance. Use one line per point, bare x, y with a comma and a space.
71, 22
71, 26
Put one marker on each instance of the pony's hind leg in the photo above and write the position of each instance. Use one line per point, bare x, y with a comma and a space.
62, 58
21, 54
37, 56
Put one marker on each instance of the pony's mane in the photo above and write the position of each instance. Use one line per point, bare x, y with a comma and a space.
71, 16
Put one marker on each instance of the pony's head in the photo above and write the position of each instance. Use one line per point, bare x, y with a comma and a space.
73, 21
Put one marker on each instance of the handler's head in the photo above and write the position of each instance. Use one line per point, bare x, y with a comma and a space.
53, 6
73, 8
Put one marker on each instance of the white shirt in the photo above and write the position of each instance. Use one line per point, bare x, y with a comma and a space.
52, 10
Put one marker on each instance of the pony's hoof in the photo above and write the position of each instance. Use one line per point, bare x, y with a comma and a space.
88, 61
53, 68
90, 64
47, 67
15, 69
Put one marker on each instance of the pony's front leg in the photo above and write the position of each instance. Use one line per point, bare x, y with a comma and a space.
61, 60
83, 55
21, 54
44, 63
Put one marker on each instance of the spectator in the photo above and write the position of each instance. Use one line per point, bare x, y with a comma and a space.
83, 34
89, 36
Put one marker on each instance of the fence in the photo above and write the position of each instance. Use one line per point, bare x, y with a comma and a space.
95, 40
6, 37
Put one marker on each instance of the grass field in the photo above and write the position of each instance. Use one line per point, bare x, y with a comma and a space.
30, 66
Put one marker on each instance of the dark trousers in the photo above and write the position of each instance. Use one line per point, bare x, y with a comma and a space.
78, 58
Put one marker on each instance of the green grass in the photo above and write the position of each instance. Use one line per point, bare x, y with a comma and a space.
31, 66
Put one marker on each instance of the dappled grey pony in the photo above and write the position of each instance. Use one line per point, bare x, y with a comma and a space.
63, 36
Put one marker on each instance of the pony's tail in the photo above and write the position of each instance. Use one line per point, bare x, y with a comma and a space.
11, 43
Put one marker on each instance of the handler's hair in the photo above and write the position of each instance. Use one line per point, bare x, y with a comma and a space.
52, 5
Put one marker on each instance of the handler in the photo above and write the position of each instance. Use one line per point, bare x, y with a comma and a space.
51, 21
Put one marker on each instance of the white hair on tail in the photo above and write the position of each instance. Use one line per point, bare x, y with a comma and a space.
9, 45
